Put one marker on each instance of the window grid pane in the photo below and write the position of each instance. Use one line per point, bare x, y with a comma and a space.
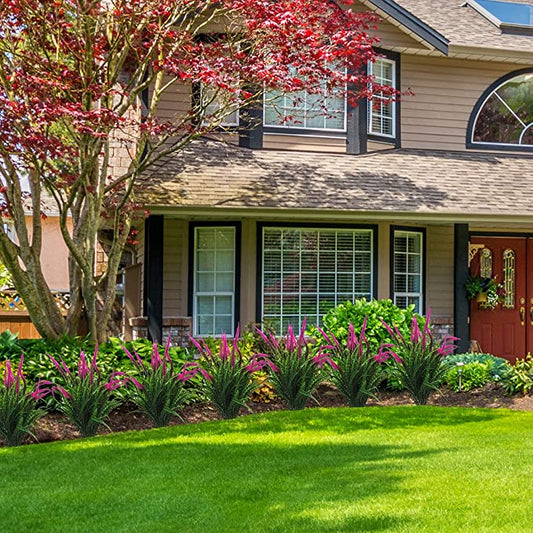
308, 271
214, 280
408, 269
320, 111
381, 109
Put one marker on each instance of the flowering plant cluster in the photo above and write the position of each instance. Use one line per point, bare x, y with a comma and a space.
356, 370
293, 366
418, 360
485, 290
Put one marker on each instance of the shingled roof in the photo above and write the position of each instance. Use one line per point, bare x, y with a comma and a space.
212, 174
460, 24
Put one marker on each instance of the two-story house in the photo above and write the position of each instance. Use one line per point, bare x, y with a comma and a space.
391, 200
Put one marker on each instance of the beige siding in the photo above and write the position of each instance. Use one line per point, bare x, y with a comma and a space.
175, 103
439, 279
445, 92
175, 267
304, 142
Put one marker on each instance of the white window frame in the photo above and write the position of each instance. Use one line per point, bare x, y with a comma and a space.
371, 109
482, 106
302, 126
400, 294
335, 230
214, 293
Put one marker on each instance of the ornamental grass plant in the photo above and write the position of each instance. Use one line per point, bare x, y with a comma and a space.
85, 395
418, 360
159, 390
18, 406
356, 370
227, 375
295, 366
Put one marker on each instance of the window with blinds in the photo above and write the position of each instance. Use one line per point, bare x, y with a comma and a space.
307, 271
408, 273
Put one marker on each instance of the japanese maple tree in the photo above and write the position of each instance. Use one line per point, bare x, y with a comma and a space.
81, 82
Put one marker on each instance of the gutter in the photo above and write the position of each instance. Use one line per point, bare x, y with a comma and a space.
270, 213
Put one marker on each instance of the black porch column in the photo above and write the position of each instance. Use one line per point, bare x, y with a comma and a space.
356, 128
461, 306
153, 275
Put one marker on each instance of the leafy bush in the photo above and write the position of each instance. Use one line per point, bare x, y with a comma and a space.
86, 394
227, 379
375, 312
519, 378
356, 371
498, 366
9, 345
295, 367
158, 391
418, 360
18, 412
469, 376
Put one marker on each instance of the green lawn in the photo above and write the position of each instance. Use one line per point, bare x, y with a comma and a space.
371, 469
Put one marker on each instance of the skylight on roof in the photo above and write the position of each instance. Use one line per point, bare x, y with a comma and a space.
510, 17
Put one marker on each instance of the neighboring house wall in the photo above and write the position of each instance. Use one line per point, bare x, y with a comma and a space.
54, 255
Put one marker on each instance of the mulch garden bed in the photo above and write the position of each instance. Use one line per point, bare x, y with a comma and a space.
54, 426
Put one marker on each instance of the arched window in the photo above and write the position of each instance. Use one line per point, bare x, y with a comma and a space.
503, 116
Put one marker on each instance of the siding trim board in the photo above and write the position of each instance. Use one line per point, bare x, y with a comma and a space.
280, 224
470, 144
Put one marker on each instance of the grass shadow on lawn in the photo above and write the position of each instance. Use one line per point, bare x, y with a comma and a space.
199, 478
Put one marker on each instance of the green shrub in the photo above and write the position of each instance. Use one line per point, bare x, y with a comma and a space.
519, 378
472, 375
498, 366
338, 319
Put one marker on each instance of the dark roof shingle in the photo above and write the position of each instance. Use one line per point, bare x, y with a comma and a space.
209, 173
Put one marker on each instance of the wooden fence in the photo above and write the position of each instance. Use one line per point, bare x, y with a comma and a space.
15, 317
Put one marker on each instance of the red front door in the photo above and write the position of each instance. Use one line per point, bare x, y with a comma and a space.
507, 330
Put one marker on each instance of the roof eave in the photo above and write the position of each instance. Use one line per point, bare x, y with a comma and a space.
406, 19
338, 215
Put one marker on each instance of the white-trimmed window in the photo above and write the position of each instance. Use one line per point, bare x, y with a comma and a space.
214, 280
214, 103
408, 269
382, 109
302, 110
307, 271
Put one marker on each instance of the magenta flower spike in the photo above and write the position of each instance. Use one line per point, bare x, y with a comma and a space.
235, 346
83, 367
416, 334
56, 364
291, 339
155, 360
351, 341
224, 351
427, 327
362, 337
389, 329
9, 378
94, 366
301, 339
